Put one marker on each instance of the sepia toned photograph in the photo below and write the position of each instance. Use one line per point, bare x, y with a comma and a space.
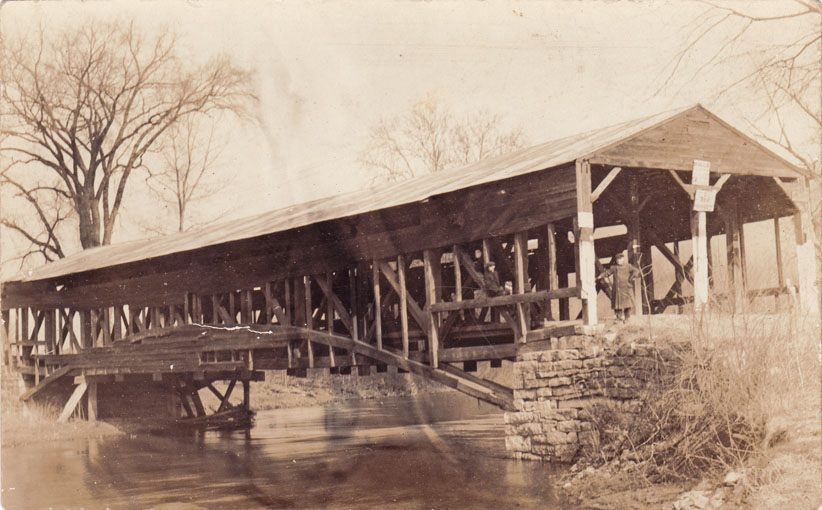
434, 255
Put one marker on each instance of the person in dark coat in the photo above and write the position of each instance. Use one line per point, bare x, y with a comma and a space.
490, 280
624, 275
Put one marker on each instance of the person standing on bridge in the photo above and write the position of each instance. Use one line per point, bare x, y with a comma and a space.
622, 297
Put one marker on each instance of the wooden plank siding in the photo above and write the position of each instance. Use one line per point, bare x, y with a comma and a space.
695, 134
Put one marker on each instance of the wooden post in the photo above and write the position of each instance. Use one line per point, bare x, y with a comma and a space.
287, 299
375, 276
51, 331
72, 402
92, 401
743, 258
678, 277
635, 241
584, 246
700, 250
85, 329
564, 303
430, 259
352, 293
521, 276
647, 278
780, 271
246, 394
736, 287
486, 252
329, 315
309, 317
403, 303
4, 335
553, 279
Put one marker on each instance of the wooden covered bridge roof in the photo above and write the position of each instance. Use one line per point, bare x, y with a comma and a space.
669, 140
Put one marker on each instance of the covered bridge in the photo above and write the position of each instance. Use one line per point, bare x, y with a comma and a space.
395, 275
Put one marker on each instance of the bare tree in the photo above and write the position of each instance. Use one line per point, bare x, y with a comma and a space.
82, 109
430, 138
786, 79
192, 150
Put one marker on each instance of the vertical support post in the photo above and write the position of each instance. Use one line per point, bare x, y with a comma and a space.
635, 243
4, 335
287, 298
520, 270
679, 276
268, 302
85, 328
457, 275
375, 276
403, 303
584, 246
710, 259
743, 258
246, 394
352, 292
736, 286
553, 279
91, 395
486, 252
117, 329
329, 316
648, 278
187, 308
700, 250
564, 303
780, 270
309, 317
431, 263
51, 331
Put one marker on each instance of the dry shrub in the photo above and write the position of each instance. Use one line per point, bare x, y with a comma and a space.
715, 406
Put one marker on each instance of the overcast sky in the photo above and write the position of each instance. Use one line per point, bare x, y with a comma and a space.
329, 70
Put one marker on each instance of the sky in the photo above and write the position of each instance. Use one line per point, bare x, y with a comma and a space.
327, 71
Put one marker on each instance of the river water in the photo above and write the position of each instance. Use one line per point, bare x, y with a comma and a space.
434, 452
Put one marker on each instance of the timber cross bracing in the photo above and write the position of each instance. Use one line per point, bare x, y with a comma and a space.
396, 276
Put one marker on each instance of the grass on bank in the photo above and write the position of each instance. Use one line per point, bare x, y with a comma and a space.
743, 395
29, 423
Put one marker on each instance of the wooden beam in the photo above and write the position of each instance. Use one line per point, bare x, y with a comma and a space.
224, 404
309, 317
480, 352
327, 289
520, 278
700, 249
777, 235
352, 294
678, 275
403, 293
375, 278
584, 246
736, 283
57, 374
602, 186
72, 402
92, 401
431, 263
634, 247
329, 311
506, 300
393, 279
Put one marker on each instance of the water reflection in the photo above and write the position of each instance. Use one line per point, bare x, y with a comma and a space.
443, 451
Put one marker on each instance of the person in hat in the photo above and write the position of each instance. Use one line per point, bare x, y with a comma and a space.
490, 280
624, 274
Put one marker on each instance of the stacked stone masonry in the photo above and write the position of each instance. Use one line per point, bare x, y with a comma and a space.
553, 389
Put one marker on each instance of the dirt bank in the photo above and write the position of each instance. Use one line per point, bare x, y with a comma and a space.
762, 371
